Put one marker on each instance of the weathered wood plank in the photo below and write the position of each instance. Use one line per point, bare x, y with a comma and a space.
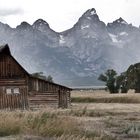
13, 101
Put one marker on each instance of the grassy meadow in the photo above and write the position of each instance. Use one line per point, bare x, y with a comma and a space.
93, 115
102, 96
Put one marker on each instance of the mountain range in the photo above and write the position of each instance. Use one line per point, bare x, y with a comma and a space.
77, 56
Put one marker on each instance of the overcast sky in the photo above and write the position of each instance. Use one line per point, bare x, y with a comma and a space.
63, 14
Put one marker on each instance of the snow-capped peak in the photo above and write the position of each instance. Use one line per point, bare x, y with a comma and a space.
120, 20
90, 12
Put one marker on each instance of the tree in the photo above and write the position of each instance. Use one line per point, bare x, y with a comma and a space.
122, 82
133, 76
110, 78
49, 78
41, 76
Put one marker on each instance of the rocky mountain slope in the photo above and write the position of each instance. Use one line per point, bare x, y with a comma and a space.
76, 56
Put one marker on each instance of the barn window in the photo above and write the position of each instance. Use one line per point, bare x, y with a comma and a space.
8, 91
16, 91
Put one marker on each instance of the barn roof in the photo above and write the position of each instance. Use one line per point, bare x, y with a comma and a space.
4, 49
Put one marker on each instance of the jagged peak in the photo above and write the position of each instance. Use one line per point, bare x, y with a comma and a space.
23, 25
89, 16
40, 22
120, 21
90, 12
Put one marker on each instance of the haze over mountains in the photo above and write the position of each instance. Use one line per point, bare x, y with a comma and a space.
76, 56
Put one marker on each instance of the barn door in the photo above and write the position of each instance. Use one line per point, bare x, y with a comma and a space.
14, 98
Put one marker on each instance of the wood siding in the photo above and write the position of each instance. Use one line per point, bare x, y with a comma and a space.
43, 92
12, 77
47, 99
41, 85
64, 98
14, 101
9, 68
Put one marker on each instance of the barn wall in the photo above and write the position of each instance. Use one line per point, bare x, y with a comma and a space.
9, 68
41, 85
13, 84
43, 92
46, 99
13, 97
64, 97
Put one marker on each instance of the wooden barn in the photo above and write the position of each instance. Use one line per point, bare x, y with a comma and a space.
19, 89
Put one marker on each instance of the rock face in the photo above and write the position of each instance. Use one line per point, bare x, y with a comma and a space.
76, 56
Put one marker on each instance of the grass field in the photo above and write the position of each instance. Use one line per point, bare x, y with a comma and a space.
107, 117
101, 96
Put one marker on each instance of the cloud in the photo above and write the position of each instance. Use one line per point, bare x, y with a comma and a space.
9, 12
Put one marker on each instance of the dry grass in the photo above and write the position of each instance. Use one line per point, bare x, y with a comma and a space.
45, 124
101, 93
101, 96
71, 124
36, 123
83, 121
